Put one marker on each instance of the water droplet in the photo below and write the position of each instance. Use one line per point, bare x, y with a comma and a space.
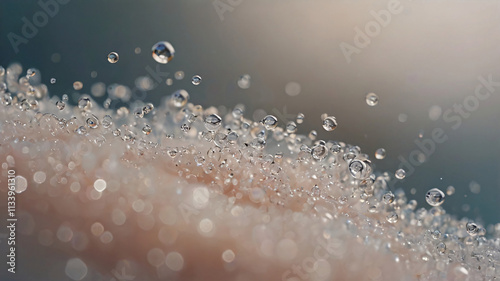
300, 118
117, 132
179, 75
147, 129
313, 134
213, 122
336, 148
441, 248
31, 72
76, 269
60, 105
450, 190
319, 152
139, 112
2, 71
52, 80
228, 256
196, 80
392, 217
291, 127
163, 52
400, 174
113, 57
92, 122
329, 123
107, 121
472, 228
64, 97
77, 85
436, 234
388, 198
81, 130
360, 168
169, 81
270, 122
6, 99
84, 103
148, 108
180, 98
258, 143
244, 81
371, 99
380, 153
434, 197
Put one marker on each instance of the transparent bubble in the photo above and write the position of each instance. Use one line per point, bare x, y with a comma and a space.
238, 112
2, 71
270, 122
441, 248
3, 87
64, 97
139, 112
300, 118
148, 108
6, 99
180, 98
196, 80
107, 121
92, 122
213, 122
291, 127
258, 143
450, 190
472, 228
434, 197
371, 99
113, 57
84, 103
169, 81
244, 81
436, 234
163, 52
360, 168
31, 72
380, 153
319, 152
329, 123
388, 198
179, 75
336, 148
147, 129
81, 130
52, 80
60, 105
313, 134
400, 174
77, 85
392, 217
117, 132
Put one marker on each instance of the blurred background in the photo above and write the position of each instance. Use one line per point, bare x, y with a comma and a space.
424, 60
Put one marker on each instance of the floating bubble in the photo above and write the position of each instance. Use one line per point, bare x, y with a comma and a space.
360, 168
371, 99
179, 75
472, 228
147, 129
450, 190
84, 103
270, 122
313, 134
92, 122
244, 81
180, 98
441, 248
113, 57
30, 72
329, 123
388, 198
213, 122
60, 105
148, 108
163, 52
380, 153
196, 80
400, 174
434, 197
300, 118
392, 217
76, 269
107, 121
319, 152
52, 80
77, 85
291, 127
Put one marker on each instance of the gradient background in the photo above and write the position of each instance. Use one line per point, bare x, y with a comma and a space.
430, 54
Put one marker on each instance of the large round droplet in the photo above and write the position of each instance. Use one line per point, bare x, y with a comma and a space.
371, 99
472, 228
380, 153
270, 122
329, 123
319, 152
113, 57
400, 174
360, 168
163, 52
196, 80
244, 81
180, 98
434, 197
213, 122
